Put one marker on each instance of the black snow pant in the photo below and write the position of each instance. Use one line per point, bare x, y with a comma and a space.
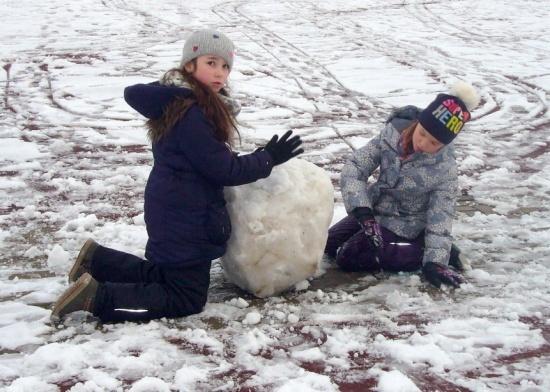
133, 289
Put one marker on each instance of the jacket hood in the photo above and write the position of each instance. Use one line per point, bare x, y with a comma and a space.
151, 99
402, 117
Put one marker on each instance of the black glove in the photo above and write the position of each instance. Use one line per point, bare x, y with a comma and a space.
437, 273
281, 150
365, 217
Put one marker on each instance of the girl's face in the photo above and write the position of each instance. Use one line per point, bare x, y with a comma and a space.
211, 70
424, 142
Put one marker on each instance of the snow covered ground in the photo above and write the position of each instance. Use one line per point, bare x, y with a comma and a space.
74, 160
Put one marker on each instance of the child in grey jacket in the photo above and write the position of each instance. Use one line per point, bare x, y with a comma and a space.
402, 221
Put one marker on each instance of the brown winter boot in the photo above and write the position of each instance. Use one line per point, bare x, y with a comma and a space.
83, 262
79, 296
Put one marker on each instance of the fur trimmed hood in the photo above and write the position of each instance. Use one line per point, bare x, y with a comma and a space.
151, 99
174, 78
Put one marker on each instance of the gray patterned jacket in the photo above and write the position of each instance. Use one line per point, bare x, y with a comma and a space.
410, 196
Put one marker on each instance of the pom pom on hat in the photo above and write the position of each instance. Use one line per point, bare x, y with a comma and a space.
445, 117
467, 93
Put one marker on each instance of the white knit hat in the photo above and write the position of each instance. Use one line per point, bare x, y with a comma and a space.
205, 42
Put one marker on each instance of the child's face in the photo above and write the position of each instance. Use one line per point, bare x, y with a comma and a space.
424, 142
210, 70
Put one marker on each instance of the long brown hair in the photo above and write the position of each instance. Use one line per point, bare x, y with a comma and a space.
215, 110
406, 139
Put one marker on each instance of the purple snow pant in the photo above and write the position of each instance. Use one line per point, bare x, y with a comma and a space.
355, 251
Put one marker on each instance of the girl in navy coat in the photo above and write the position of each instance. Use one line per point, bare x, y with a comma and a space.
191, 125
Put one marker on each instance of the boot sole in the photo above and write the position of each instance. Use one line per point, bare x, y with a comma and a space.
79, 259
71, 293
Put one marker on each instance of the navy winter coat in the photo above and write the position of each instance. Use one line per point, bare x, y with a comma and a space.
185, 210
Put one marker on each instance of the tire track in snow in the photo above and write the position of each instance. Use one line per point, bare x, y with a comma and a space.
335, 94
430, 18
407, 56
157, 29
78, 158
425, 14
531, 116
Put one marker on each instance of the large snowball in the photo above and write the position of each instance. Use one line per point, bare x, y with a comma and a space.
280, 227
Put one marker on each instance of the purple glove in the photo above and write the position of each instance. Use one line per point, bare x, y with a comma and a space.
437, 273
372, 230
365, 217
